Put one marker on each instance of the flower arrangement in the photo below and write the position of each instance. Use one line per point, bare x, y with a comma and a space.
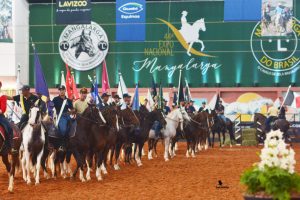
274, 176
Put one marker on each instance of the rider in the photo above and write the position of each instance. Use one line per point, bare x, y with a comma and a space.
190, 107
116, 100
105, 98
4, 122
81, 104
272, 114
127, 101
220, 111
62, 105
203, 108
184, 22
166, 109
26, 100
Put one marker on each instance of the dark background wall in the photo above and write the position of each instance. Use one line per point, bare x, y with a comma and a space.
228, 42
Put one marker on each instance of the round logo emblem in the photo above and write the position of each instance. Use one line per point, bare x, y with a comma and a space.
276, 56
84, 46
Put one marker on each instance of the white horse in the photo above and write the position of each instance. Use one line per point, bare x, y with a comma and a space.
33, 142
169, 132
190, 33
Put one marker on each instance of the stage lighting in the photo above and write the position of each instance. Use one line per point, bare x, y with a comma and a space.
238, 84
218, 84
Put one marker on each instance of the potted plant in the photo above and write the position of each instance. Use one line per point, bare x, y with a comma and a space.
274, 177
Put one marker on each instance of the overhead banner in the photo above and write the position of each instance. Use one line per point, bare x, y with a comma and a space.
277, 18
73, 11
6, 21
130, 19
242, 10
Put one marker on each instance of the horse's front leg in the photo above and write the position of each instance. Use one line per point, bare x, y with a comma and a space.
202, 44
189, 49
167, 145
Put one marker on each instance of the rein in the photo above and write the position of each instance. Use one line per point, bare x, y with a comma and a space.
90, 120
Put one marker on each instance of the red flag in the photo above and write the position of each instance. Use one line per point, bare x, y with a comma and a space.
75, 91
105, 81
69, 83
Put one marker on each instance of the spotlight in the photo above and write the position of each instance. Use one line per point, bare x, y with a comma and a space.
255, 84
171, 85
238, 84
218, 84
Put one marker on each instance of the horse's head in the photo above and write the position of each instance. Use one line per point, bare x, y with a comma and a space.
200, 24
88, 43
129, 117
110, 114
93, 114
35, 114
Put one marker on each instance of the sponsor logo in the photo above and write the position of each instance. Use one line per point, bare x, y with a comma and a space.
83, 47
81, 3
131, 8
277, 56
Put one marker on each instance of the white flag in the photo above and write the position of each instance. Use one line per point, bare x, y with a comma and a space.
150, 103
122, 89
63, 81
213, 101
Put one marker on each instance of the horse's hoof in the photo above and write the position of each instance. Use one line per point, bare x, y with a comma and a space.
10, 189
28, 182
83, 180
88, 178
37, 183
116, 167
140, 164
99, 179
167, 160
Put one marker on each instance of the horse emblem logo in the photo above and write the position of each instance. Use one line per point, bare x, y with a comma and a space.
83, 47
189, 34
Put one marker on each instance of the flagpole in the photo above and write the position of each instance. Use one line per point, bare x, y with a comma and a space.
120, 83
179, 87
285, 97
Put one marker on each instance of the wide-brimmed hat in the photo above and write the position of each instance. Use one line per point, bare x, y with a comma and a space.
117, 96
126, 95
25, 87
105, 95
62, 87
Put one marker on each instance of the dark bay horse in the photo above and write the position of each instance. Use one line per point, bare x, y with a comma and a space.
260, 126
147, 120
218, 126
4, 153
91, 133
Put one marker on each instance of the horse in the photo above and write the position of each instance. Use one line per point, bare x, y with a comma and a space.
173, 120
260, 126
196, 132
147, 120
33, 141
83, 43
4, 153
190, 33
218, 126
90, 136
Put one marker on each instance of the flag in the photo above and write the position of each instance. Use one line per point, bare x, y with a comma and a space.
175, 99
160, 99
105, 80
292, 99
41, 86
187, 92
75, 91
180, 89
19, 85
122, 89
242, 10
63, 81
153, 88
69, 83
136, 101
150, 103
94, 92
213, 104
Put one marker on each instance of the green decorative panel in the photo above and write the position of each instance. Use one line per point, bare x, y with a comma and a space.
228, 43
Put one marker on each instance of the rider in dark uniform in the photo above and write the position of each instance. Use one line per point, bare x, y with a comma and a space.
26, 100
220, 111
105, 98
203, 108
166, 109
282, 111
190, 107
65, 120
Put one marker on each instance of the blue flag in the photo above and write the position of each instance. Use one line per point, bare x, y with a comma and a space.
136, 99
242, 10
153, 88
95, 94
41, 86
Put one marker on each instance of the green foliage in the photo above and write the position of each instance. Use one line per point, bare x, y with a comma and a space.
275, 182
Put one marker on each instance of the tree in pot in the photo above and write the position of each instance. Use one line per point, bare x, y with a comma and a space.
274, 177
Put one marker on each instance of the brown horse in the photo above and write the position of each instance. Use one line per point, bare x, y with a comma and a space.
14, 152
260, 126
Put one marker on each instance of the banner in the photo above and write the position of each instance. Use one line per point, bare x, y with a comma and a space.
277, 17
6, 21
73, 12
242, 10
130, 19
